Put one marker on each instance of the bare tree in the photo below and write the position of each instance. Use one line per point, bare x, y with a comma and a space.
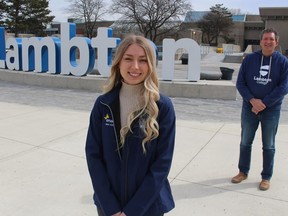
89, 10
152, 17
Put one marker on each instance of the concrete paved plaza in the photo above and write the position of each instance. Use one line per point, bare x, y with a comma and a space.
43, 169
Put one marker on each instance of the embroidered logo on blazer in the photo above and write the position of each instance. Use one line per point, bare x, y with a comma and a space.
106, 116
108, 120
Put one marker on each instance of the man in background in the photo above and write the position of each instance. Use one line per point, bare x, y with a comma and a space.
262, 82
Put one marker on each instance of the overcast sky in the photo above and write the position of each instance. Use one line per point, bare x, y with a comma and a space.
246, 6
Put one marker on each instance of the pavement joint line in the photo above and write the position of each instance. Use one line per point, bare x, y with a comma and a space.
35, 148
14, 140
16, 155
200, 150
22, 114
61, 152
61, 137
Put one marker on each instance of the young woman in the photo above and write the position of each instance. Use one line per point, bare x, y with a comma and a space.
131, 136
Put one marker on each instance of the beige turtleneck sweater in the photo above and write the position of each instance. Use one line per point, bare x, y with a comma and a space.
130, 99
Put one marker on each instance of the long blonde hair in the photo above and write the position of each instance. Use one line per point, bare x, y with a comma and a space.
149, 111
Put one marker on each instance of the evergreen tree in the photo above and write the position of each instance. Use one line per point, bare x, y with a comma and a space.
14, 19
2, 11
218, 21
27, 16
37, 16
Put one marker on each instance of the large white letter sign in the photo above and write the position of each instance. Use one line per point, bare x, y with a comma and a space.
104, 42
40, 54
13, 56
70, 44
169, 49
58, 56
2, 48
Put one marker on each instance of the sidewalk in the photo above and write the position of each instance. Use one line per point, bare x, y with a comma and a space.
43, 169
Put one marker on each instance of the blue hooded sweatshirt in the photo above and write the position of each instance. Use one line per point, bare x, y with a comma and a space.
264, 78
126, 179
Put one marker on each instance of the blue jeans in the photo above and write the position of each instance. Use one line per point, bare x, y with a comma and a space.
269, 120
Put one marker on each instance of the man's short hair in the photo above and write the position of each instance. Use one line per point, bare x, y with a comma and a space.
270, 30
